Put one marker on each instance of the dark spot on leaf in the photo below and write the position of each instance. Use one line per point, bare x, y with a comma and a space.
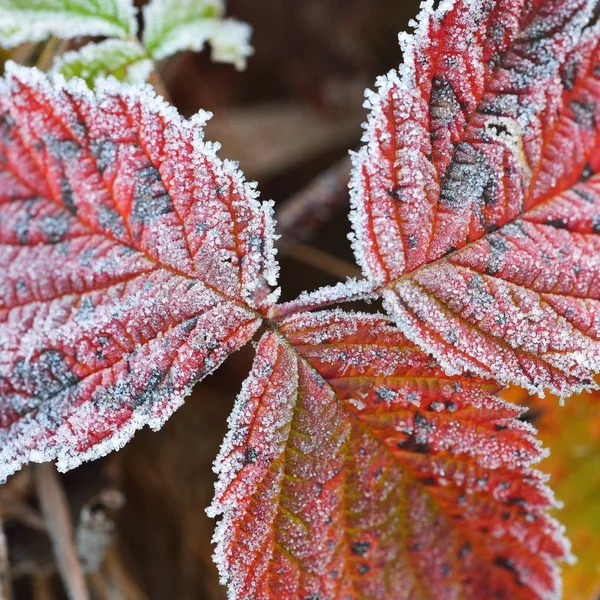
360, 548
67, 196
250, 455
567, 74
464, 550
363, 569
516, 501
158, 379
586, 173
451, 406
110, 220
189, 324
498, 248
443, 104
104, 151
62, 149
557, 223
22, 229
150, 198
467, 180
497, 128
506, 563
396, 193
428, 481
451, 335
86, 309
385, 393
584, 113
420, 420
55, 227
586, 195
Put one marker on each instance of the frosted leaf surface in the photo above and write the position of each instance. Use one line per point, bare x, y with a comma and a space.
123, 59
354, 468
35, 20
132, 262
172, 26
491, 121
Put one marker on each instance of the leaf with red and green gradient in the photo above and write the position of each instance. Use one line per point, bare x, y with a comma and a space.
476, 204
132, 262
354, 469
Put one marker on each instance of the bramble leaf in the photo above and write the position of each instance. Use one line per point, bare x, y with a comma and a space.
476, 200
354, 469
132, 262
35, 20
123, 59
175, 25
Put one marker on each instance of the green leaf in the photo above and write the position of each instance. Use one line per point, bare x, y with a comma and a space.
35, 20
123, 59
175, 25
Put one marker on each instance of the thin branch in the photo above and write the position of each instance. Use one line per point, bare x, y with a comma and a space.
53, 47
22, 512
5, 581
302, 213
318, 259
41, 587
57, 516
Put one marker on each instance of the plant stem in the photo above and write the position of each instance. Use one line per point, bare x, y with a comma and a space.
318, 259
57, 516
305, 211
5, 582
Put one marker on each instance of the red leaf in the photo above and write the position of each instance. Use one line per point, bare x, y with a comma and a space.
467, 208
131, 261
355, 468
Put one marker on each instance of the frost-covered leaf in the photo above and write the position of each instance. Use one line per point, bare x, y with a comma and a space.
8, 28
132, 262
175, 25
476, 201
355, 469
35, 20
123, 59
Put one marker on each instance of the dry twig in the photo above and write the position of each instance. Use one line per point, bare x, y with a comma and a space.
55, 511
5, 582
302, 213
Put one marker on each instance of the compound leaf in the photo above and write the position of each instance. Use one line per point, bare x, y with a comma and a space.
475, 199
355, 469
175, 25
123, 59
35, 20
132, 262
